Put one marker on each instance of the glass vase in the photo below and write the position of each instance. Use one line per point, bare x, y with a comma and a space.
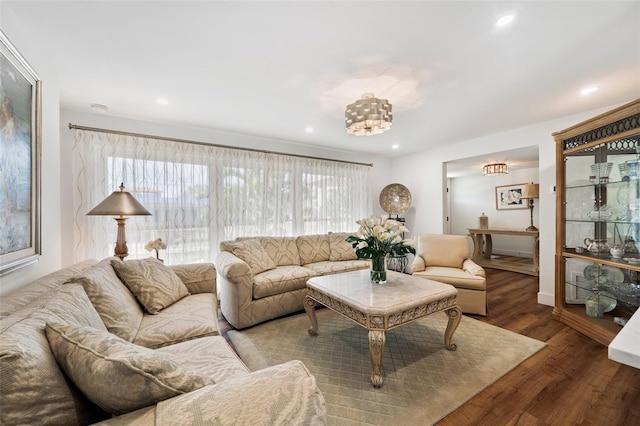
379, 269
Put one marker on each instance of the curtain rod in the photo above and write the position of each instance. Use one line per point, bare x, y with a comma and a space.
118, 132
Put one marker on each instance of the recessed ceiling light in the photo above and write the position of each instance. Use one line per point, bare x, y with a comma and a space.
395, 146
588, 90
308, 129
99, 108
162, 101
505, 20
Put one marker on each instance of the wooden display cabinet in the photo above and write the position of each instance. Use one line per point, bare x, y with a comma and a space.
598, 208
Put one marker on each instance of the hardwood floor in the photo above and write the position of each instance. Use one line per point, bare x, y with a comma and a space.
569, 382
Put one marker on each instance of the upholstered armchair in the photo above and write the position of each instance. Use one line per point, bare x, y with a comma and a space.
445, 258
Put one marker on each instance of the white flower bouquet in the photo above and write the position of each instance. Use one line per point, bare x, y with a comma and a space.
156, 245
379, 236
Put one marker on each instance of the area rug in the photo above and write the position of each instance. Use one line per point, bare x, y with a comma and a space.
423, 381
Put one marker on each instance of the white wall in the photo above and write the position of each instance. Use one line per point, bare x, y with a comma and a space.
50, 183
473, 195
423, 175
379, 176
57, 225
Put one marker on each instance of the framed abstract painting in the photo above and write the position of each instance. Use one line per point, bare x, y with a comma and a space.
509, 197
20, 138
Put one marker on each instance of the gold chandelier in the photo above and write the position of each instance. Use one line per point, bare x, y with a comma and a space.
495, 169
368, 116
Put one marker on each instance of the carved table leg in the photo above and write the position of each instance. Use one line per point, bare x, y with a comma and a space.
454, 314
477, 247
536, 253
309, 306
376, 347
488, 246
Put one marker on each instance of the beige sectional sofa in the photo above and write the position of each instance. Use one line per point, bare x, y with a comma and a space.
261, 278
80, 346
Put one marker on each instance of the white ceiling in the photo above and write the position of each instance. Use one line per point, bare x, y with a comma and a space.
274, 68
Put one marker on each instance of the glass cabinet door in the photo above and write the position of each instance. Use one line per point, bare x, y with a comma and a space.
602, 227
602, 202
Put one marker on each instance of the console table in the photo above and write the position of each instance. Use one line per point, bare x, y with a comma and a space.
482, 237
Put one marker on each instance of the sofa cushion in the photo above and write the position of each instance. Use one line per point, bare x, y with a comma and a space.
189, 318
115, 374
154, 285
284, 394
117, 307
313, 248
327, 268
252, 252
197, 277
282, 250
340, 248
281, 280
443, 250
208, 357
454, 276
33, 388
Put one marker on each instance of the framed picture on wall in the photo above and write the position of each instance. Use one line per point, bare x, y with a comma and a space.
20, 133
509, 197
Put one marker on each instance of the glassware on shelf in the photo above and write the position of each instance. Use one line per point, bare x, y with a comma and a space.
597, 245
595, 309
602, 214
600, 172
624, 171
630, 245
632, 167
616, 251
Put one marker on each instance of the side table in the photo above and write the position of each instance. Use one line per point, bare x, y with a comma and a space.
398, 263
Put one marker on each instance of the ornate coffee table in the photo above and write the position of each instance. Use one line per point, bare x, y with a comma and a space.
379, 308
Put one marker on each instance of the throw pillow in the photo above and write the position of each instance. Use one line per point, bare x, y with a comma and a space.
252, 252
313, 248
282, 250
117, 307
116, 375
154, 285
340, 248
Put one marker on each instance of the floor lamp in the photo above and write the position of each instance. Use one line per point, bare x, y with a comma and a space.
531, 191
121, 204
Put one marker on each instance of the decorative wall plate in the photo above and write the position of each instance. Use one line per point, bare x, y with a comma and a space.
603, 274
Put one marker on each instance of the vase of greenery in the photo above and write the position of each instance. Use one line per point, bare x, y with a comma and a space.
377, 238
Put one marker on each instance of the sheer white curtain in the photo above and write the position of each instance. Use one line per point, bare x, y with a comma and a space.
200, 195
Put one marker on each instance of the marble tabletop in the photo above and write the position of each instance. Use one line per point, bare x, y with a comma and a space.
625, 347
356, 290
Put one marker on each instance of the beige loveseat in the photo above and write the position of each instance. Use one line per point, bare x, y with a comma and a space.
445, 258
261, 278
75, 348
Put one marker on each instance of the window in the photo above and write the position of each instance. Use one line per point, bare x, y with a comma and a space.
200, 195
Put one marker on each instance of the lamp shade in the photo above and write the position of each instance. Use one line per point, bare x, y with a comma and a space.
531, 190
119, 203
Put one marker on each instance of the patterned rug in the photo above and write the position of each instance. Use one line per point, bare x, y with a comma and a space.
423, 381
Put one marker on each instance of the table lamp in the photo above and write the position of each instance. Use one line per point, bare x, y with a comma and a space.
120, 203
531, 191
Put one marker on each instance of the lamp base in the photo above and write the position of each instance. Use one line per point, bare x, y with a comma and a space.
121, 249
531, 227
